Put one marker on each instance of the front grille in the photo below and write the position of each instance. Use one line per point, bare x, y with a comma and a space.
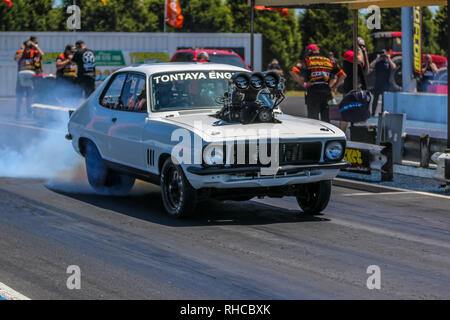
289, 154
300, 153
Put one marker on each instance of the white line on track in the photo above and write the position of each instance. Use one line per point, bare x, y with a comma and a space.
10, 294
376, 193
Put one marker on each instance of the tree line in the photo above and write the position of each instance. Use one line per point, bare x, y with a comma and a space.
283, 37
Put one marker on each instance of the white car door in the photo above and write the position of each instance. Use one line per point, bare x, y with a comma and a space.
128, 123
104, 114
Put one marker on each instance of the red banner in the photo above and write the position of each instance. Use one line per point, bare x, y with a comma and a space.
284, 11
8, 3
173, 14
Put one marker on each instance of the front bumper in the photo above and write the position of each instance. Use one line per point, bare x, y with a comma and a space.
250, 177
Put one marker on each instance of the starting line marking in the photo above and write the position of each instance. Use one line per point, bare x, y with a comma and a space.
10, 294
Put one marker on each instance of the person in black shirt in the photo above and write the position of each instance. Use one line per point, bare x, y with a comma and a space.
85, 60
383, 66
363, 67
321, 76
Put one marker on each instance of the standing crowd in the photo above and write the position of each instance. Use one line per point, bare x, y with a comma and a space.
75, 72
322, 75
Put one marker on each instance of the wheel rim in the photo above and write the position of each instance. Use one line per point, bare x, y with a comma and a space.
173, 188
309, 197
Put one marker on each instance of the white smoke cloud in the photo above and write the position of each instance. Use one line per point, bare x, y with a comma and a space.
40, 156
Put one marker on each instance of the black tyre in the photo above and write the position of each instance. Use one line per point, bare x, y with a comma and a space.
313, 197
178, 196
101, 178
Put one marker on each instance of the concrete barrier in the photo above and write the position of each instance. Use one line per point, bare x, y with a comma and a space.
417, 106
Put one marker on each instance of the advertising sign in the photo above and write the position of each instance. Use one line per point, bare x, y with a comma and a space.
417, 40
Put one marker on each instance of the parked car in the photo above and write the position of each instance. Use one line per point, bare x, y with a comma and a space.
215, 55
144, 121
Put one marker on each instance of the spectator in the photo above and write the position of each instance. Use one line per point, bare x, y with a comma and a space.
26, 59
363, 67
383, 66
203, 57
85, 60
38, 58
275, 67
429, 70
66, 73
363, 70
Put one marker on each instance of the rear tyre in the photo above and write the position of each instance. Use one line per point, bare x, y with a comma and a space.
313, 198
178, 196
102, 179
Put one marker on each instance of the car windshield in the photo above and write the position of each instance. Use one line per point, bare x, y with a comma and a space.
189, 89
227, 59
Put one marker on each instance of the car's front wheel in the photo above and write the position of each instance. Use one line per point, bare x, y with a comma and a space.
313, 198
101, 178
178, 196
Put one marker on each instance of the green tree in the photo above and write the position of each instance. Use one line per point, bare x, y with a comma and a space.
429, 32
25, 15
391, 20
332, 29
441, 26
116, 15
281, 37
205, 16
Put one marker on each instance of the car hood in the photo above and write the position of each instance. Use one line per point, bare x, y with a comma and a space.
289, 127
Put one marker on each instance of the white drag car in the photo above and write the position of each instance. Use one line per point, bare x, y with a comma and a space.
203, 131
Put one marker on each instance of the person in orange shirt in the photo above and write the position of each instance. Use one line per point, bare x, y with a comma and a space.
321, 76
66, 74
26, 59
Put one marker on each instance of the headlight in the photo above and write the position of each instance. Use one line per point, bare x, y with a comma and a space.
334, 151
213, 155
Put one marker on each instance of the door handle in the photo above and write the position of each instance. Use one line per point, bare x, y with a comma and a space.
114, 119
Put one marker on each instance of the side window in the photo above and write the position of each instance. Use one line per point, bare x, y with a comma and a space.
134, 94
111, 98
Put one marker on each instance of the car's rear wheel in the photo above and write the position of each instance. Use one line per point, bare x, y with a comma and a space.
178, 196
313, 198
103, 179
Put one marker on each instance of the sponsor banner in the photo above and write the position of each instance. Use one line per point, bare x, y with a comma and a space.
109, 58
359, 159
417, 40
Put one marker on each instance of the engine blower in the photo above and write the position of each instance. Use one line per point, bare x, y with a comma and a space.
252, 97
